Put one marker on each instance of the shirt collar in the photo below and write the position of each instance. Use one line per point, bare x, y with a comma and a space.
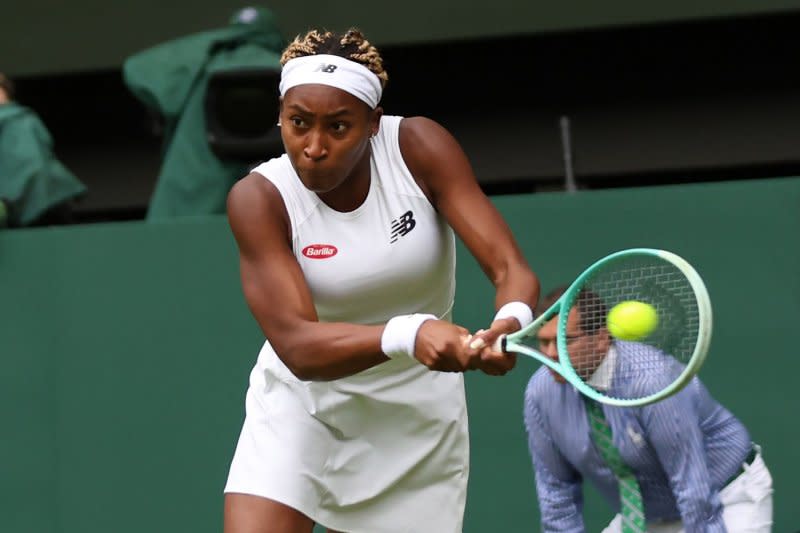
604, 373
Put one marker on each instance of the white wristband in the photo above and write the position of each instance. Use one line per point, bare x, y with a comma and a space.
519, 310
400, 334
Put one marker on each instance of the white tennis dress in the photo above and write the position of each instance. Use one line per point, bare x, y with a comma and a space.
384, 450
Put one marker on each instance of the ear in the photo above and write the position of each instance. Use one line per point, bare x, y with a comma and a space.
375, 121
603, 340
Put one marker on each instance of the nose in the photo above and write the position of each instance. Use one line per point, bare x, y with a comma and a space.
549, 348
315, 147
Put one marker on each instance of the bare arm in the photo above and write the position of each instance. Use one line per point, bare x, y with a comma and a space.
279, 298
438, 162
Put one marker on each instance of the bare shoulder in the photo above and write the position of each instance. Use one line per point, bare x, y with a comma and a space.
255, 206
417, 125
421, 135
435, 158
251, 194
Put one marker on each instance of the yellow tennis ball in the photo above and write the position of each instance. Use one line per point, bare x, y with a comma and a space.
632, 320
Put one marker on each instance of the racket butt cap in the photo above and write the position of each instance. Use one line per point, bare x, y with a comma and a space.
499, 344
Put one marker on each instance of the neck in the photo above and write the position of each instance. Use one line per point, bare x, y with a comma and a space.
353, 191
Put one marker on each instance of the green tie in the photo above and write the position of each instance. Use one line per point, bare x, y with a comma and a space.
630, 497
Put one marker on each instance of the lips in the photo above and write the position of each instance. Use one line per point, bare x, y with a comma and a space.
315, 172
317, 181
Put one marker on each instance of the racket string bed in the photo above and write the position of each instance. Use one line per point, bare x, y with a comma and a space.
648, 364
641, 331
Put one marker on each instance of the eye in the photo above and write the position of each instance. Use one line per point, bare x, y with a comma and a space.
339, 127
298, 122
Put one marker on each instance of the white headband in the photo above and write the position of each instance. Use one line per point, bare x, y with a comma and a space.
335, 71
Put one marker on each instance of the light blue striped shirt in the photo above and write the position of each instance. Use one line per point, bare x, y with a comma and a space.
682, 450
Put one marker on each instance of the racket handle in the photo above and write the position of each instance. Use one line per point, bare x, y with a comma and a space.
499, 344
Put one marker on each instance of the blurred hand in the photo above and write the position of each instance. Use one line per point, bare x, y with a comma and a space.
445, 347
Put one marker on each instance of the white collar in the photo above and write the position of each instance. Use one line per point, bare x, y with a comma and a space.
603, 374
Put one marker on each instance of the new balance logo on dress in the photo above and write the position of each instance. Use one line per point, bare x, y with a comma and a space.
402, 225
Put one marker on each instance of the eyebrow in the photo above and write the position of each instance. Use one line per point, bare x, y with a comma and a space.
337, 113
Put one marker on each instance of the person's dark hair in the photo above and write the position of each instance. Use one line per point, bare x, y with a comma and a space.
7, 85
591, 307
351, 45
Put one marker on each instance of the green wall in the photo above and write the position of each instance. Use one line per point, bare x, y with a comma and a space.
126, 350
51, 36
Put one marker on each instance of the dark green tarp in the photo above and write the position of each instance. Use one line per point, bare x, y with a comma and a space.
32, 180
171, 80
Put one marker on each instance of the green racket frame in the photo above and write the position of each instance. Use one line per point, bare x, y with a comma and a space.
512, 342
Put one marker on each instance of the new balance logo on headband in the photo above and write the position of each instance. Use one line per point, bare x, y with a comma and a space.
402, 225
325, 67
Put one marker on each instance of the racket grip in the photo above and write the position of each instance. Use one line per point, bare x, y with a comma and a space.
499, 344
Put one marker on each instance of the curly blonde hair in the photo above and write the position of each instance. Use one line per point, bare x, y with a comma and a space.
351, 45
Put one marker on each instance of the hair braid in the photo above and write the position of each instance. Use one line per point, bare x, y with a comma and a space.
351, 45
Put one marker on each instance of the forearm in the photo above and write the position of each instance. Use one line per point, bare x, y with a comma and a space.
516, 283
558, 484
560, 500
321, 351
516, 286
674, 429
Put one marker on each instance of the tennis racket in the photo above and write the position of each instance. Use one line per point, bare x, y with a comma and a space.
633, 372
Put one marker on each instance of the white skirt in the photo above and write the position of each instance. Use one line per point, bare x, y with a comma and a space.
385, 450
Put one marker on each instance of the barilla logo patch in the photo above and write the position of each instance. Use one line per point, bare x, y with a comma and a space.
320, 251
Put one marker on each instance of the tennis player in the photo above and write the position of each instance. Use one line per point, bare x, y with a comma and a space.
355, 414
695, 467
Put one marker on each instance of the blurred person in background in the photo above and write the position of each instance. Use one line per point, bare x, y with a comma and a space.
35, 187
682, 464
170, 79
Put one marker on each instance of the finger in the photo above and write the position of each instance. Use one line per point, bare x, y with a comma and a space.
445, 366
452, 364
509, 363
477, 343
501, 361
470, 360
440, 364
493, 371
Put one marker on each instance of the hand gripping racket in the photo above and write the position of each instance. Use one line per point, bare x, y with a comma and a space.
642, 369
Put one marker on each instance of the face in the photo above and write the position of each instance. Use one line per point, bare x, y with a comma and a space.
326, 134
586, 351
3, 96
